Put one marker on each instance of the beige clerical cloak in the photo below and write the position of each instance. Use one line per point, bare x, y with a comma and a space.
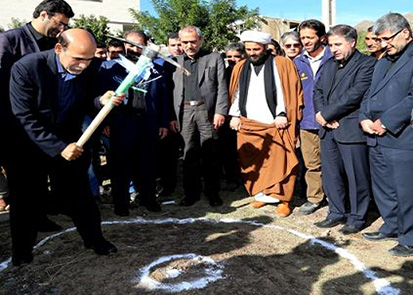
267, 155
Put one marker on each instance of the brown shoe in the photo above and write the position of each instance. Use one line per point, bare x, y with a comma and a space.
257, 204
283, 209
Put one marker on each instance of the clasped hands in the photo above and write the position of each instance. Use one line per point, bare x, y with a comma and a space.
280, 122
320, 120
374, 128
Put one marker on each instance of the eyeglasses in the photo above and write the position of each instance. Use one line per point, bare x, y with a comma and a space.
60, 23
390, 38
295, 45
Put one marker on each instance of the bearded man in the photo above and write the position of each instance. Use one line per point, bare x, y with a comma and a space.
266, 97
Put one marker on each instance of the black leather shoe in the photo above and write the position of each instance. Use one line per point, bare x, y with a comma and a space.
186, 202
47, 226
401, 250
21, 259
328, 223
308, 208
349, 229
102, 247
378, 236
121, 211
215, 201
152, 206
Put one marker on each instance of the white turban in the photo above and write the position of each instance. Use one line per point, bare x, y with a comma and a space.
255, 36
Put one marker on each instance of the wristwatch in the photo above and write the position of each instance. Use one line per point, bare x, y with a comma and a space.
384, 127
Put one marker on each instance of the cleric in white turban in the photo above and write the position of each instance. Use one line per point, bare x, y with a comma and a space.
255, 36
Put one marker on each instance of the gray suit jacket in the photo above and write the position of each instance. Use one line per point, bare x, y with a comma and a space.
211, 79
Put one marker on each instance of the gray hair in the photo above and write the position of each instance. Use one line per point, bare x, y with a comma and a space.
293, 35
392, 21
236, 46
349, 33
191, 29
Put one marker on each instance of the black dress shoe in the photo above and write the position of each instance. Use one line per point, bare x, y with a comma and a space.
102, 247
121, 211
308, 208
328, 223
152, 206
21, 259
378, 236
186, 202
401, 250
47, 226
349, 229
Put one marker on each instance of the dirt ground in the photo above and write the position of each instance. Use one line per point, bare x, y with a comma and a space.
254, 252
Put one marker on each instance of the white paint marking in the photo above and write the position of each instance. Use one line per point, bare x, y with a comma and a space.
213, 272
382, 286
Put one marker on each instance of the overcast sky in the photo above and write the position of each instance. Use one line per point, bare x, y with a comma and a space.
348, 11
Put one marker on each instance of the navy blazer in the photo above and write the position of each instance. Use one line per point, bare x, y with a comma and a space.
35, 101
13, 45
390, 99
338, 95
157, 99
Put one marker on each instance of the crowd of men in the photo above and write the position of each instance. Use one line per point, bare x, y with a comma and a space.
245, 117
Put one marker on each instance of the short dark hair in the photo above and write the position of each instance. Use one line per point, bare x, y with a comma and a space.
349, 33
52, 7
139, 33
392, 21
115, 43
63, 40
370, 29
174, 35
314, 24
100, 44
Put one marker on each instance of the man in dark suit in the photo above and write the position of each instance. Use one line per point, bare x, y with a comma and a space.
200, 105
385, 117
337, 98
50, 93
135, 128
50, 17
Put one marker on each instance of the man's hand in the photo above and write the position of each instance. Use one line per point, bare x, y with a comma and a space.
281, 122
377, 128
72, 152
218, 120
163, 132
333, 124
366, 126
104, 99
174, 126
235, 123
320, 120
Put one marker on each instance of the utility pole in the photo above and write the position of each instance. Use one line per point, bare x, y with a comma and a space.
328, 12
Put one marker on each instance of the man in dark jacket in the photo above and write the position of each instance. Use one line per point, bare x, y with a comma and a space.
135, 128
50, 95
386, 118
50, 17
337, 98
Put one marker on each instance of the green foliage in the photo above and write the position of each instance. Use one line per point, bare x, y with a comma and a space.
16, 23
213, 17
99, 26
361, 45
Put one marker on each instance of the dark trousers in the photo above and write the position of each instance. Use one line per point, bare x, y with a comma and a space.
228, 155
69, 183
346, 178
168, 154
392, 179
200, 153
133, 157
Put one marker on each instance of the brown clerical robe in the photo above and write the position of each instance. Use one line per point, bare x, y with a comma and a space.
267, 154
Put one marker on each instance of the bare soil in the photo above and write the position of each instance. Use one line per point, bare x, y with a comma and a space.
265, 257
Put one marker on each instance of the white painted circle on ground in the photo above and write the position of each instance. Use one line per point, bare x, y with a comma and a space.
212, 271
